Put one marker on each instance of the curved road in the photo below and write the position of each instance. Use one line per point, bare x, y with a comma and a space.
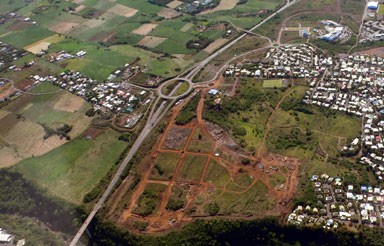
154, 119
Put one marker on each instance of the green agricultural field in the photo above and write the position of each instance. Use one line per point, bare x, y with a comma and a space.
193, 166
272, 83
74, 169
165, 165
26, 36
96, 63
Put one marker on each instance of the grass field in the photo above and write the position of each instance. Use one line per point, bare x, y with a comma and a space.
200, 146
297, 129
165, 165
75, 168
26, 36
277, 179
216, 174
192, 168
254, 202
381, 9
96, 63
273, 83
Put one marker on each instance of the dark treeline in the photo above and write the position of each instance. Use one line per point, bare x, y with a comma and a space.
20, 197
223, 232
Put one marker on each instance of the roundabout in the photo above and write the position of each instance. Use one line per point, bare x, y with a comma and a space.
179, 83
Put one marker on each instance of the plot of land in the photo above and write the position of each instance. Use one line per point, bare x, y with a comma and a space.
168, 13
63, 27
215, 45
174, 4
192, 168
151, 41
165, 165
176, 138
43, 44
122, 10
145, 29
186, 27
75, 168
223, 5
68, 103
80, 8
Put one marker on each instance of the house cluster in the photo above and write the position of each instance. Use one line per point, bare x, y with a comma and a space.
11, 16
63, 55
8, 54
288, 61
352, 84
338, 203
197, 6
355, 85
126, 72
373, 30
116, 97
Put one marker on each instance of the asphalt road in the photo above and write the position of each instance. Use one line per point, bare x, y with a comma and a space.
154, 120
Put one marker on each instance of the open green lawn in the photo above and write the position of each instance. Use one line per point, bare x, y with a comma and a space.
165, 165
75, 168
192, 168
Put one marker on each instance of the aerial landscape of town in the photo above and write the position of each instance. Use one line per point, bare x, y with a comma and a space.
191, 122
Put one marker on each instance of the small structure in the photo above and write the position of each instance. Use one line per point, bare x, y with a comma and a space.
373, 5
213, 92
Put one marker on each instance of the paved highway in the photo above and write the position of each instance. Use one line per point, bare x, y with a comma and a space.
153, 120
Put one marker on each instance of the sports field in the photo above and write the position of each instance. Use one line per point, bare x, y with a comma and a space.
272, 83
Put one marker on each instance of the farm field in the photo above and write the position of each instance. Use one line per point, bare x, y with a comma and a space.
75, 168
28, 118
